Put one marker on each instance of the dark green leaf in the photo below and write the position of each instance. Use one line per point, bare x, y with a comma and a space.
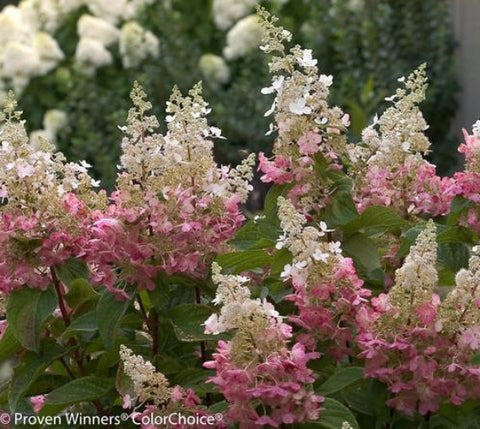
9, 345
71, 270
343, 377
363, 251
341, 211
86, 323
79, 292
334, 414
81, 390
187, 321
242, 261
27, 310
376, 220
32, 366
109, 314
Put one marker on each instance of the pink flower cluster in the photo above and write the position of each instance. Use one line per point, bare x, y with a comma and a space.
329, 307
275, 383
421, 366
178, 234
413, 188
30, 246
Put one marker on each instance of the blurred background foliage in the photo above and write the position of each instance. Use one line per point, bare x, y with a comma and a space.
365, 44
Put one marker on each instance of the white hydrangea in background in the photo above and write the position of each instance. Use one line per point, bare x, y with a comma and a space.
243, 37
102, 31
53, 121
227, 12
92, 54
137, 44
28, 48
214, 69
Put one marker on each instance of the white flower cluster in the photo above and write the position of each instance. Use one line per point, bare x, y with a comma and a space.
306, 243
53, 121
399, 134
148, 384
417, 278
34, 180
301, 104
28, 48
184, 156
238, 309
98, 33
460, 307
137, 44
227, 12
243, 37
214, 69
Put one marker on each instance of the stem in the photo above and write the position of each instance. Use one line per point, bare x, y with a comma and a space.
66, 317
203, 349
67, 368
152, 324
154, 330
61, 303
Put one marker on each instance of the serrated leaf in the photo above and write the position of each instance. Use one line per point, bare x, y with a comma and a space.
80, 291
27, 310
341, 211
9, 345
109, 314
80, 390
242, 261
376, 220
363, 251
334, 414
187, 321
254, 235
32, 366
340, 379
86, 323
71, 270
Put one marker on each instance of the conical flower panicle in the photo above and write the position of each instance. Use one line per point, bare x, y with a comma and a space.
258, 364
305, 123
44, 202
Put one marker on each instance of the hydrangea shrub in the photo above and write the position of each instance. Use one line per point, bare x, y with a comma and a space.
352, 301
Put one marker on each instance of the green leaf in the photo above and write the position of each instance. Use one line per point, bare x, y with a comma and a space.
27, 310
79, 292
376, 220
271, 205
86, 323
475, 359
80, 390
109, 314
242, 261
71, 270
9, 345
187, 321
363, 251
280, 258
334, 414
32, 366
342, 210
255, 234
367, 397
343, 377
453, 256
457, 207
